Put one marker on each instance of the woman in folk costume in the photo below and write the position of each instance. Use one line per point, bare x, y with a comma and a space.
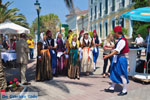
87, 57
49, 43
66, 59
118, 72
74, 70
43, 66
97, 43
60, 54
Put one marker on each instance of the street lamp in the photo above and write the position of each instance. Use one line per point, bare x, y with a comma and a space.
38, 8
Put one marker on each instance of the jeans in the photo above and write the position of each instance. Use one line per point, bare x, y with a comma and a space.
31, 53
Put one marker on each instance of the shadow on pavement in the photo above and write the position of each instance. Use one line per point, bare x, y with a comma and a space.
58, 84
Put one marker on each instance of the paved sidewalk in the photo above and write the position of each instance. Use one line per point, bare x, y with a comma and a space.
87, 88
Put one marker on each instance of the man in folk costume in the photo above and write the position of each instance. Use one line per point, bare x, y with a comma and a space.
50, 44
81, 34
87, 57
118, 72
97, 43
74, 70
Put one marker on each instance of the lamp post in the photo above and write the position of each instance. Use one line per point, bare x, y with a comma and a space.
38, 8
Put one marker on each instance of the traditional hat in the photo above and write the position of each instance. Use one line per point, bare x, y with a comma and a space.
82, 31
94, 31
48, 32
118, 29
86, 32
69, 31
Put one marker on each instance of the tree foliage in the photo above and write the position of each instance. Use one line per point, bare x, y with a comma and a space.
138, 25
47, 22
11, 14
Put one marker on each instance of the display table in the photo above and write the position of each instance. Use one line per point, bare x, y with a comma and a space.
8, 56
132, 60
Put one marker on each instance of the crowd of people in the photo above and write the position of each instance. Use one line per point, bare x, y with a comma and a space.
74, 55
69, 56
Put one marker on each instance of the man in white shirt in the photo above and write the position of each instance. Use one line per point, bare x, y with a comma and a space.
139, 41
118, 72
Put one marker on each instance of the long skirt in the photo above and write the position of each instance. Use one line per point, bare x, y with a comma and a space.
43, 67
87, 60
118, 69
53, 61
74, 70
66, 64
95, 54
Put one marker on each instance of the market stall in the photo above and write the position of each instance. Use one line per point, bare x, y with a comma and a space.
140, 14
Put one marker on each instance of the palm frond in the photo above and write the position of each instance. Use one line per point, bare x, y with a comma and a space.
70, 5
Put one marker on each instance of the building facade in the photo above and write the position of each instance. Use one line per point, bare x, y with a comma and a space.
78, 21
104, 15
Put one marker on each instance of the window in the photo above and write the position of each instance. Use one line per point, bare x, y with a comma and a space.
113, 5
91, 14
95, 12
91, 28
122, 22
130, 2
123, 3
100, 30
113, 24
106, 5
100, 9
91, 1
95, 27
106, 28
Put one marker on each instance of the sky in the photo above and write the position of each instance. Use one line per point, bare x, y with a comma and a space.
57, 7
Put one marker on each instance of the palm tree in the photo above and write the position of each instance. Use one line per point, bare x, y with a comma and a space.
11, 14
70, 5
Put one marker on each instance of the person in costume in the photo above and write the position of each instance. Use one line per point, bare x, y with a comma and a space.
108, 48
74, 70
118, 72
49, 43
43, 66
81, 34
87, 56
97, 43
66, 59
60, 55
